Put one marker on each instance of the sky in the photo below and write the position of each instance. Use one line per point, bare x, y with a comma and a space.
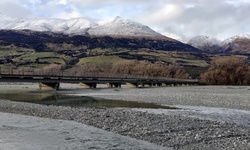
181, 19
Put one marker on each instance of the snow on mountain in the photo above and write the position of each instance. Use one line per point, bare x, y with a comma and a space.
121, 27
239, 36
173, 36
71, 26
206, 43
79, 26
201, 41
235, 44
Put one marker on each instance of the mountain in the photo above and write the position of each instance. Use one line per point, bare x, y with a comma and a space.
26, 48
71, 26
79, 26
239, 44
206, 44
123, 27
40, 42
36, 33
236, 37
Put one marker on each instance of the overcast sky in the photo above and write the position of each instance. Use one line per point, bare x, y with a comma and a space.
186, 18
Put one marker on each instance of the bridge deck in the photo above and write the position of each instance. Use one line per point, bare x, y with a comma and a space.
54, 79
73, 79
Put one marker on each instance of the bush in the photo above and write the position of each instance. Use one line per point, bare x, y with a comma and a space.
137, 68
227, 70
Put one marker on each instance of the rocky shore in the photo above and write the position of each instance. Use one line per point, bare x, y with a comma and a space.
176, 131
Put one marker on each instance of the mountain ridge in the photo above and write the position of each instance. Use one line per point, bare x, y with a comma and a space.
79, 26
237, 44
27, 37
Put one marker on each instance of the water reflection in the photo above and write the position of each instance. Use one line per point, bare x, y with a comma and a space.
75, 101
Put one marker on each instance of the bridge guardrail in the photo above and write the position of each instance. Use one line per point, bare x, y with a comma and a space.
78, 74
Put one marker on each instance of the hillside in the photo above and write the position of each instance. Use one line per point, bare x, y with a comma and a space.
25, 48
74, 44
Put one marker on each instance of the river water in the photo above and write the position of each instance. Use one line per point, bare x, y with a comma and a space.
75, 101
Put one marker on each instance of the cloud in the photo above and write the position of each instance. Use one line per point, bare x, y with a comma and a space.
14, 8
199, 17
167, 12
73, 12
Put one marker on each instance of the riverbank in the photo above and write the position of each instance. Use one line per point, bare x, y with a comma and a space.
176, 130
20, 132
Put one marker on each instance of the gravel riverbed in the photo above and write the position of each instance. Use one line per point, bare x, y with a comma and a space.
170, 130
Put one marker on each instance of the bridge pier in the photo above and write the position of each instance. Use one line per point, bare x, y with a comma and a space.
114, 85
159, 84
132, 85
49, 86
88, 85
164, 84
147, 84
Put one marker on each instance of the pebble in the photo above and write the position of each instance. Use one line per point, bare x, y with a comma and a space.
178, 132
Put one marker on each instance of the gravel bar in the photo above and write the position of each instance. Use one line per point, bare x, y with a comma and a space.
234, 97
174, 131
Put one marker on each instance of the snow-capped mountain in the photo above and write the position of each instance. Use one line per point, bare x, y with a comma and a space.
121, 27
206, 43
172, 35
236, 44
79, 26
72, 26
239, 36
200, 41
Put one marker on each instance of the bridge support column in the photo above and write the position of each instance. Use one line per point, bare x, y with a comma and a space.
114, 85
164, 84
132, 85
147, 84
156, 84
159, 84
49, 86
88, 85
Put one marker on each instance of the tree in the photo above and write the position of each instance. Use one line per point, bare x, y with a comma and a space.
135, 68
227, 70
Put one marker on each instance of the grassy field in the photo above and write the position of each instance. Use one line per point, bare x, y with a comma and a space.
100, 59
184, 59
19, 58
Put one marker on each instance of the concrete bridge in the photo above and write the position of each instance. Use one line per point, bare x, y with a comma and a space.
52, 81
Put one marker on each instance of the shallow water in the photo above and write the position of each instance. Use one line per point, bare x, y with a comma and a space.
76, 101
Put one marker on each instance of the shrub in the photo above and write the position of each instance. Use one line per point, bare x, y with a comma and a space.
227, 70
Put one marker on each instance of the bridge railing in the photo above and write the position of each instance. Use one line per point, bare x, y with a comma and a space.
75, 74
